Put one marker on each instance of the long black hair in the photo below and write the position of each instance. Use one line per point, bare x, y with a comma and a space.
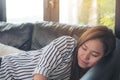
76, 71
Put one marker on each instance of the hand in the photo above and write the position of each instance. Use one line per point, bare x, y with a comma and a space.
39, 77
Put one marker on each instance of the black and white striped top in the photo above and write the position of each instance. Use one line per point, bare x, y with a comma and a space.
52, 61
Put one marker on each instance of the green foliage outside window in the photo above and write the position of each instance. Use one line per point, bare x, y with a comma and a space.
104, 11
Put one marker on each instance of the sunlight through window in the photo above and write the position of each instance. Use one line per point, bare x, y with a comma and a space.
19, 11
90, 12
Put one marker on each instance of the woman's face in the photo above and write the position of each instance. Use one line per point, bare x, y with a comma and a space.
90, 53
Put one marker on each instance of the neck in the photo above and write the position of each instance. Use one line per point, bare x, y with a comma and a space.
83, 71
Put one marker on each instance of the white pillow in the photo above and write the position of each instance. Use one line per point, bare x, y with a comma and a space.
8, 50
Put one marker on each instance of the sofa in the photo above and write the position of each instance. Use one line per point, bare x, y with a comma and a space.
32, 36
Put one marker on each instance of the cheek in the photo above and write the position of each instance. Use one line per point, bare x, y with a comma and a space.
79, 54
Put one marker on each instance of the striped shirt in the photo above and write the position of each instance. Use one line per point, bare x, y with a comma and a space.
53, 61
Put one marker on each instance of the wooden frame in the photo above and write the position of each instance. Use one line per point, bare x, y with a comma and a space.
51, 10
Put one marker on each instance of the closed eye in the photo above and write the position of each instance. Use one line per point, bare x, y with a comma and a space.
84, 47
95, 54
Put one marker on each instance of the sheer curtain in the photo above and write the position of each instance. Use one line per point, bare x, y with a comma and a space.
19, 11
68, 11
78, 11
90, 12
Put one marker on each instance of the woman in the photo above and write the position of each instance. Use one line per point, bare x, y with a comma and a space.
63, 59
83, 60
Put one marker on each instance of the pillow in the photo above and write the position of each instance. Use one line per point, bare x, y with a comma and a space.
8, 50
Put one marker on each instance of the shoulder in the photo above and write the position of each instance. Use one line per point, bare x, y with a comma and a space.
65, 42
66, 37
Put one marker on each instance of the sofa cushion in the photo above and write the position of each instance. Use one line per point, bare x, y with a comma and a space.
45, 32
17, 35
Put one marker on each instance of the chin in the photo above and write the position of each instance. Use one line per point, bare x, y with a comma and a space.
83, 66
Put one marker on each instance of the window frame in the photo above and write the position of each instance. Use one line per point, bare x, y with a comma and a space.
51, 10
52, 13
2, 10
117, 19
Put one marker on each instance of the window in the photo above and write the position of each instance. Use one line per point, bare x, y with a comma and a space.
91, 12
88, 12
19, 11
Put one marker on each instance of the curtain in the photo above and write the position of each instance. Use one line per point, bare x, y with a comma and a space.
2, 10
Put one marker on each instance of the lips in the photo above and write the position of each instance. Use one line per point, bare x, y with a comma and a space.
84, 62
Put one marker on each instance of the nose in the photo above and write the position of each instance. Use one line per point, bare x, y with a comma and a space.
86, 56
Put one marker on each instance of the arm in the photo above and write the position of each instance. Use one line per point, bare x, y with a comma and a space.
52, 55
39, 77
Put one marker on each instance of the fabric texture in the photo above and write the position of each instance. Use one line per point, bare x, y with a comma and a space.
0, 61
45, 32
7, 50
52, 61
17, 35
